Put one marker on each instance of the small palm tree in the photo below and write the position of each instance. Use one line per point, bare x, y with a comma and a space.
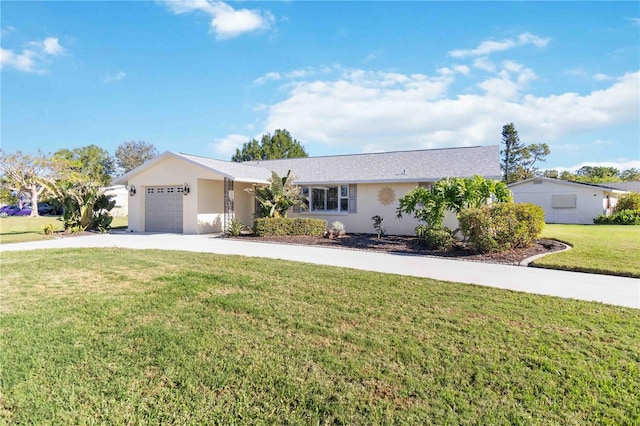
276, 199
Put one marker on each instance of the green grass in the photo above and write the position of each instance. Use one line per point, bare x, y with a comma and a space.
114, 336
19, 229
602, 249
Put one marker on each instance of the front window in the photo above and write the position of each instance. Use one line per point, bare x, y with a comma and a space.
328, 198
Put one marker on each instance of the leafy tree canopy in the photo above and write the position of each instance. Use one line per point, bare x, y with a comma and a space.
130, 155
271, 147
596, 174
456, 194
89, 163
33, 175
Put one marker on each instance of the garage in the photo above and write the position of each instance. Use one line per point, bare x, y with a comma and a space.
163, 209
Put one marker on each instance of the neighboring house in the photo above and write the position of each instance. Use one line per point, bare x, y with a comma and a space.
121, 197
564, 201
185, 193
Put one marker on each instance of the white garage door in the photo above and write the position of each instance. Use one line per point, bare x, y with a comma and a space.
163, 209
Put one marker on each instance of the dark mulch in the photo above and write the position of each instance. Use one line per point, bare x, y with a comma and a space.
410, 246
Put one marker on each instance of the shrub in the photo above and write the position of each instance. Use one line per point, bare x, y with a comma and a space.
377, 225
502, 226
235, 227
630, 201
622, 217
274, 226
49, 229
434, 238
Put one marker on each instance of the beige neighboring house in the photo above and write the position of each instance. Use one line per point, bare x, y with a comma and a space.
121, 197
564, 201
184, 193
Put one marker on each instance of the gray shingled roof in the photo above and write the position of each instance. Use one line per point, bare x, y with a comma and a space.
633, 186
400, 166
241, 172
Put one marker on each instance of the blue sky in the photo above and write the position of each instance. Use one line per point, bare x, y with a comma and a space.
203, 77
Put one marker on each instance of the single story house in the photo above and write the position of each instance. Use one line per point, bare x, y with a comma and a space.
184, 193
564, 201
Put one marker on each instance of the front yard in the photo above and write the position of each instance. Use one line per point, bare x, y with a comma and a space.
116, 336
600, 249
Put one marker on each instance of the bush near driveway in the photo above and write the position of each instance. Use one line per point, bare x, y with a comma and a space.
502, 226
277, 226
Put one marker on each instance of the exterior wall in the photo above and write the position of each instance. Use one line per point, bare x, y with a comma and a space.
173, 171
368, 206
589, 202
244, 203
210, 214
121, 197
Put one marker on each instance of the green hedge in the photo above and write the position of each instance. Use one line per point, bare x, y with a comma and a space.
434, 238
276, 226
502, 226
622, 217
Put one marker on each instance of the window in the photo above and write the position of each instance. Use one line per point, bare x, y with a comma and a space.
339, 198
563, 201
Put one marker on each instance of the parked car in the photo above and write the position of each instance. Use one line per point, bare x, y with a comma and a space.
45, 208
9, 210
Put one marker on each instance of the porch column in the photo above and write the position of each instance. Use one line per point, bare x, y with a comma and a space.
229, 211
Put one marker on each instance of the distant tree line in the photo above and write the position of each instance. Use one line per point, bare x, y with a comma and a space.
519, 162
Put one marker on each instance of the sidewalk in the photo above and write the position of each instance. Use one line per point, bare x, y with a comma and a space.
607, 289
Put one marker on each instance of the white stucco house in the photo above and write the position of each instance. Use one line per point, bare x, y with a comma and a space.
564, 201
184, 193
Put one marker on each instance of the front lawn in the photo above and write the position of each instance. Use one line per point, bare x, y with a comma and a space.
602, 249
115, 336
18, 229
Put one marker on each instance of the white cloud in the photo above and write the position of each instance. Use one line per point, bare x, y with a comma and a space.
32, 58
602, 77
488, 47
114, 77
621, 164
226, 21
270, 76
226, 147
362, 110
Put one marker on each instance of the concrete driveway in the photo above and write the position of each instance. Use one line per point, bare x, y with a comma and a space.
591, 287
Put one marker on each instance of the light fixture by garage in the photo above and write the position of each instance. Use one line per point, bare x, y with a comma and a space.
132, 190
185, 189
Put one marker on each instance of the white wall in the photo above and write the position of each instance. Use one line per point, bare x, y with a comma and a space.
588, 205
368, 206
121, 197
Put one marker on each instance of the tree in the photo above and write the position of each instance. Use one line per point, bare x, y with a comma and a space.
455, 194
276, 199
91, 161
629, 175
518, 161
32, 175
130, 155
270, 147
511, 154
530, 155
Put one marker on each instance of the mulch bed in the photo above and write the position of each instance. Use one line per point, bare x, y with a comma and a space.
408, 245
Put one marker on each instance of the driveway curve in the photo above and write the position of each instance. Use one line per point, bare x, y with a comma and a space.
607, 289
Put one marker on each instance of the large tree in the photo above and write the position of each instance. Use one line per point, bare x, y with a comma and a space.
270, 147
130, 155
518, 160
91, 162
32, 175
511, 154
